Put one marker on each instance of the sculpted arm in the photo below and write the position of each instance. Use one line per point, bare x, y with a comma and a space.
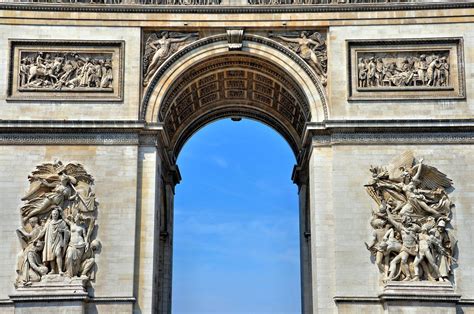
396, 224
177, 40
291, 40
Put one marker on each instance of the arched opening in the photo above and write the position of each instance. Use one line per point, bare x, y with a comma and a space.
211, 83
236, 245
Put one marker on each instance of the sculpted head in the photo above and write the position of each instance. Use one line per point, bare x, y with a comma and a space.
304, 34
165, 35
95, 244
378, 223
39, 245
407, 221
55, 213
33, 221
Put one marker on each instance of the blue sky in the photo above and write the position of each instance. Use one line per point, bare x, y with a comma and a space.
236, 247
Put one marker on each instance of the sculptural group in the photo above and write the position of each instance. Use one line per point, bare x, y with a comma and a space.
424, 70
58, 224
410, 240
63, 70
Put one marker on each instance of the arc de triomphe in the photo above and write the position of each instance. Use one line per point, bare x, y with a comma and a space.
374, 98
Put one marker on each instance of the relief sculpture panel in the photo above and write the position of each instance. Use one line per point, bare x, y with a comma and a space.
406, 69
310, 46
58, 233
65, 70
412, 238
159, 46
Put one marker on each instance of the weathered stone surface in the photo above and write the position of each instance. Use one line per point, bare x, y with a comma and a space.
130, 145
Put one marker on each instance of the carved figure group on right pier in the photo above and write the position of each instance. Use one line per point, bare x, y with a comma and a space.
411, 241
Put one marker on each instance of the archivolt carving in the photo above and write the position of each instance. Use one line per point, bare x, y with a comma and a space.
234, 79
411, 240
58, 225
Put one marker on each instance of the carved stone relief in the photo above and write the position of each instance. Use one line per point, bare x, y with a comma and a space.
234, 79
412, 239
65, 70
58, 226
309, 45
159, 46
406, 69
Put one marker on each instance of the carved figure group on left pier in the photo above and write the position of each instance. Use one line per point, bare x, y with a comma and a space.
411, 240
58, 225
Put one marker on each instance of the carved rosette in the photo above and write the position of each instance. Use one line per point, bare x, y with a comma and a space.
159, 46
310, 46
412, 237
58, 226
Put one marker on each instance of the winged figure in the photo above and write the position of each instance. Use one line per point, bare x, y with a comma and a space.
55, 184
58, 227
158, 47
312, 48
413, 203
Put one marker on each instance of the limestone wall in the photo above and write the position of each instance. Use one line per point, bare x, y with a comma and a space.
73, 110
341, 211
114, 169
342, 108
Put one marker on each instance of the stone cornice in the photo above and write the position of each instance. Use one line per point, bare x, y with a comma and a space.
235, 9
380, 132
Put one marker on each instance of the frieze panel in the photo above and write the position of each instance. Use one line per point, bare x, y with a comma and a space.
65, 70
406, 69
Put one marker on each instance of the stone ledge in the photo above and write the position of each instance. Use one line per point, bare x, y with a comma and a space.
420, 291
52, 288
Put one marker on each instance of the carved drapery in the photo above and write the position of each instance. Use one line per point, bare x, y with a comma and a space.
412, 239
58, 226
66, 70
310, 46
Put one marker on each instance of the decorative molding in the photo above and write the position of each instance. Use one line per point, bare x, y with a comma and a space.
69, 139
421, 138
229, 112
234, 38
356, 299
62, 70
223, 38
384, 70
212, 83
235, 9
111, 299
419, 291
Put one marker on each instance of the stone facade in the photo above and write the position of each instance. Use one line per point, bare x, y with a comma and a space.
120, 88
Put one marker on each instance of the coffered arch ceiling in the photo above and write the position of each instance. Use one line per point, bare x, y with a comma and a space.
234, 84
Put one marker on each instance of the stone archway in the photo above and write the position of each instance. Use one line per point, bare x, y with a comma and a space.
206, 81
